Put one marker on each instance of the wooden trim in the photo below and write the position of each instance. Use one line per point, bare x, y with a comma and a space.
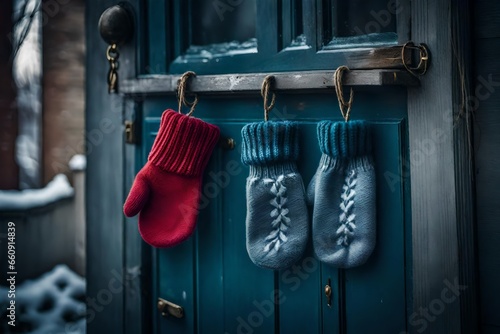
180, 26
137, 306
269, 41
309, 21
251, 83
307, 59
158, 13
137, 256
290, 26
437, 180
463, 71
403, 17
324, 22
105, 222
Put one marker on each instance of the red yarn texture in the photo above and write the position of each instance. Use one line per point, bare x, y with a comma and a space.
166, 192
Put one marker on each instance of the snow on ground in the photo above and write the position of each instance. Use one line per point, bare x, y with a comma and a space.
78, 162
55, 190
53, 303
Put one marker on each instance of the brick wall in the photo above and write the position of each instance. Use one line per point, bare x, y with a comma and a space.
63, 86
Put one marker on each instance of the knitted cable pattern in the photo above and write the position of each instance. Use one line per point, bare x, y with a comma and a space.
345, 232
280, 223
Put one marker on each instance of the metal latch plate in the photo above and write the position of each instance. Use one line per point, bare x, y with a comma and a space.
170, 309
130, 132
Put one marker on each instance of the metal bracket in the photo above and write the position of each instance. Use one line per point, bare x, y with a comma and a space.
170, 309
130, 132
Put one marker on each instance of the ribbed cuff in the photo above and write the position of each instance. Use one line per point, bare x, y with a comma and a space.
265, 143
344, 140
328, 162
364, 163
183, 144
273, 171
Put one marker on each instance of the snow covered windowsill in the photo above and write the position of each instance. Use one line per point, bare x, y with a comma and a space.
29, 199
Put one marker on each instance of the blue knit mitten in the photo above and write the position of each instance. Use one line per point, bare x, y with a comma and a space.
277, 221
343, 194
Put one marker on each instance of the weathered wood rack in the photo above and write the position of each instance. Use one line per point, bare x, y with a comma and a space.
251, 83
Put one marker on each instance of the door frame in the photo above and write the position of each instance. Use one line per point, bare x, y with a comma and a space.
442, 205
442, 182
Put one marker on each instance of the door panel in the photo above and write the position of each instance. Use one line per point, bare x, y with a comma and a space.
210, 275
375, 292
302, 284
225, 273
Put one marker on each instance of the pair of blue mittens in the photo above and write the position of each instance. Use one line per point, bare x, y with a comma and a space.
342, 193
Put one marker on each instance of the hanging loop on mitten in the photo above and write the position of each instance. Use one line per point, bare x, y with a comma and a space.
264, 91
181, 93
345, 107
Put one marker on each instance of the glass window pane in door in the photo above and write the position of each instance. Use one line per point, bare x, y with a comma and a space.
363, 17
219, 21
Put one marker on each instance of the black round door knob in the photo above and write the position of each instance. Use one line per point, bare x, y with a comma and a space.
116, 25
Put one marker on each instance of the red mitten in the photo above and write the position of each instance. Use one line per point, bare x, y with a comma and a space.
167, 190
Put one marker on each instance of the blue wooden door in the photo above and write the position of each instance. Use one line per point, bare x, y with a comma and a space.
210, 275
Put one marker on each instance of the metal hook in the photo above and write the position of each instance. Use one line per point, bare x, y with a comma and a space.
421, 68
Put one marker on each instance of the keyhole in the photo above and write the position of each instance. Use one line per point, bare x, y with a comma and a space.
328, 293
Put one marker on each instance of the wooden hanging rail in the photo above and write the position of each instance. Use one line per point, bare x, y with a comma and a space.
251, 82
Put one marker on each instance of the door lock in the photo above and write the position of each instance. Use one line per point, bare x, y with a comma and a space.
328, 293
170, 309
130, 132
